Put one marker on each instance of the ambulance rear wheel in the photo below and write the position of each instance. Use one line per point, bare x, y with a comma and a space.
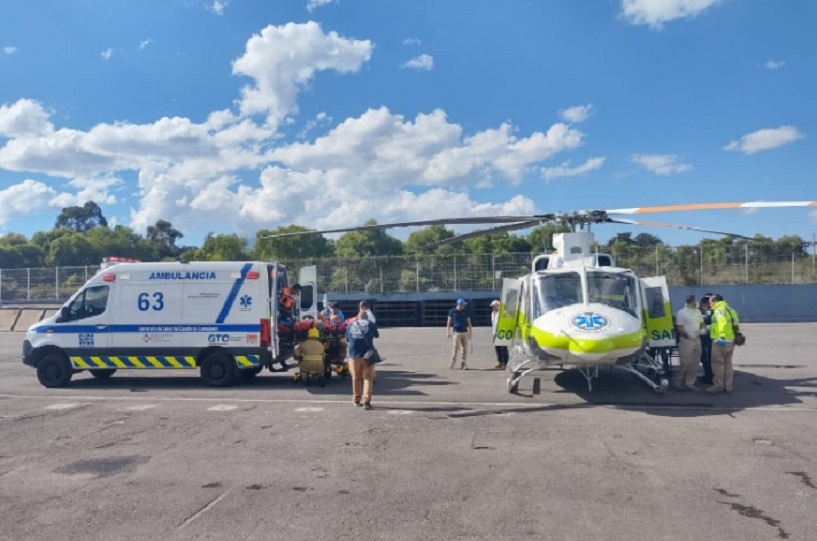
218, 370
102, 373
54, 371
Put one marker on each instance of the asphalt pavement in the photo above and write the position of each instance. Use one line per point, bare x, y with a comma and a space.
445, 454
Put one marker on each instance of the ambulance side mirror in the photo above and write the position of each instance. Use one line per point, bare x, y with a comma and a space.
65, 314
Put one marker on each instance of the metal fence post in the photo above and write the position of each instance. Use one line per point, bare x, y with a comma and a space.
57, 283
346, 279
657, 272
493, 272
1, 287
381, 279
455, 273
746, 263
417, 274
702, 263
792, 267
28, 284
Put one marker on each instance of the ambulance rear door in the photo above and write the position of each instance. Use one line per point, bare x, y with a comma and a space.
308, 278
276, 284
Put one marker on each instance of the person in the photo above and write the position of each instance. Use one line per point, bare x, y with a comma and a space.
310, 354
336, 317
364, 307
501, 351
689, 323
287, 301
706, 341
360, 336
722, 332
460, 322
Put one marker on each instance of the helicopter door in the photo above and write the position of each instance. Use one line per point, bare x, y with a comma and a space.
508, 312
657, 312
308, 278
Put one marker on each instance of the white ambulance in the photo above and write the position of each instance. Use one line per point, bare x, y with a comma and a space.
219, 317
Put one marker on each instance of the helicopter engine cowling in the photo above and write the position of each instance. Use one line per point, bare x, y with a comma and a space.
585, 334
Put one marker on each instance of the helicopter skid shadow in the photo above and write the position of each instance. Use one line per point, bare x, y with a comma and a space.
621, 390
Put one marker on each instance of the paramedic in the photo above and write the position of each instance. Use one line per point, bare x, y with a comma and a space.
287, 301
360, 336
460, 321
689, 323
310, 354
722, 332
706, 341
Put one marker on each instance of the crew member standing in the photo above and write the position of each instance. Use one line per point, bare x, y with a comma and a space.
360, 336
460, 322
722, 332
689, 323
501, 351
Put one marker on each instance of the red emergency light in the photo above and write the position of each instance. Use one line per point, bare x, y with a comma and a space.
253, 275
109, 277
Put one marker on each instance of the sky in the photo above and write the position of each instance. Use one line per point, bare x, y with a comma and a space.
232, 116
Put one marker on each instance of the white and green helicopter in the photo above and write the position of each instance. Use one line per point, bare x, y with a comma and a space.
576, 308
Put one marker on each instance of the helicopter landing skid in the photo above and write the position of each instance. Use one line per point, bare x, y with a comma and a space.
647, 370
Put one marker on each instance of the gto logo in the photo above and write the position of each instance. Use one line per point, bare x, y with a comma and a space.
589, 321
218, 338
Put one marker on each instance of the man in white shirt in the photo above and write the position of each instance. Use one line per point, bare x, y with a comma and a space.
689, 323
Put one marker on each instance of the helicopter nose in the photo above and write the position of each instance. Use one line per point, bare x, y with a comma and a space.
580, 345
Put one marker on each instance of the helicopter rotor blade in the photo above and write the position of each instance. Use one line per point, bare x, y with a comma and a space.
471, 220
713, 206
482, 232
675, 226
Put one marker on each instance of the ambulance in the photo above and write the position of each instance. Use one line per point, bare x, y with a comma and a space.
220, 318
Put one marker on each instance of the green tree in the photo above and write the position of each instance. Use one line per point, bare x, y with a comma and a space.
369, 242
121, 241
71, 250
81, 219
498, 243
432, 234
222, 248
32, 256
290, 248
13, 239
541, 238
10, 257
162, 238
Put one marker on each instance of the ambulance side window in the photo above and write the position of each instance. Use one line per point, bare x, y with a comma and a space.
91, 302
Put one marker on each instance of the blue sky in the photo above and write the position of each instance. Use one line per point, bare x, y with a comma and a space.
240, 115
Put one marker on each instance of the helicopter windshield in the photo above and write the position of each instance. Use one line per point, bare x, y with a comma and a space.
554, 291
613, 289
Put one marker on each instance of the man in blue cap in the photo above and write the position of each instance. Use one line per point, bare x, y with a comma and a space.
460, 322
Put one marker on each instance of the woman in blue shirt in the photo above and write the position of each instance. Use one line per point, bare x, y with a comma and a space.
360, 337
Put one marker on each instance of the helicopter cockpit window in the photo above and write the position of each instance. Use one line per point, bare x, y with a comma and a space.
557, 291
615, 290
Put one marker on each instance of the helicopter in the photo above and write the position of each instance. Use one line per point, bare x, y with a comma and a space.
576, 308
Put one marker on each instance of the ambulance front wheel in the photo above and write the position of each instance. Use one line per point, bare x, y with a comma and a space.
218, 370
54, 371
102, 373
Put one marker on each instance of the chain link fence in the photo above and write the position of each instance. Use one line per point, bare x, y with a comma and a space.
683, 266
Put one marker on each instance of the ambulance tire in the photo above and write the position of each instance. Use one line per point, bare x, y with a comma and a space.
54, 371
102, 373
218, 370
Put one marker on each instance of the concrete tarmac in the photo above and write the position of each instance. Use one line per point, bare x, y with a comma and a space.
445, 454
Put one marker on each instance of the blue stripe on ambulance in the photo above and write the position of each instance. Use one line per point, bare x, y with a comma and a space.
151, 361
228, 302
171, 327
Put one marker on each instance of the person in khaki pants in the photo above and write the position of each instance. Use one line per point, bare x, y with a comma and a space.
360, 337
460, 322
689, 323
722, 331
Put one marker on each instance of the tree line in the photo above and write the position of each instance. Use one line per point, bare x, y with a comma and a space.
81, 236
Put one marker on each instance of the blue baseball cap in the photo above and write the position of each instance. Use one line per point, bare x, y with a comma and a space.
461, 301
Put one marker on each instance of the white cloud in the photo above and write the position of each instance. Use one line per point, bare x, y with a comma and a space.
145, 43
661, 164
411, 41
106, 54
774, 64
24, 118
312, 5
19, 199
423, 62
577, 113
282, 59
655, 13
765, 139
9, 49
564, 170
218, 6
